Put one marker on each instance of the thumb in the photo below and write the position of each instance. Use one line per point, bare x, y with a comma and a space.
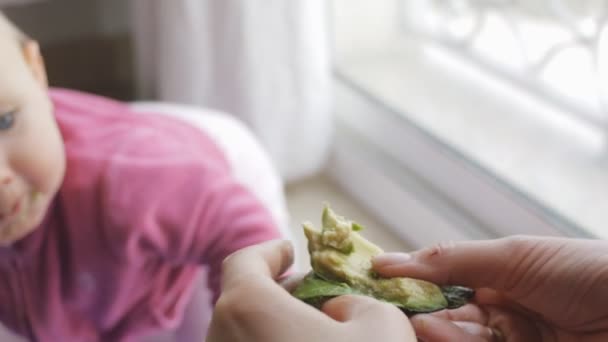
269, 259
492, 263
368, 315
361, 308
435, 329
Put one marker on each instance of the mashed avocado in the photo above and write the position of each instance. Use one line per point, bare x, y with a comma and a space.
341, 262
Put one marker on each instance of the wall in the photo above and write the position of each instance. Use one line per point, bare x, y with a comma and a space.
87, 44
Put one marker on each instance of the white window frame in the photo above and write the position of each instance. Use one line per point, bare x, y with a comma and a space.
406, 176
583, 34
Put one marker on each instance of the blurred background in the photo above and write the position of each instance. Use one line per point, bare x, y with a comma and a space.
425, 120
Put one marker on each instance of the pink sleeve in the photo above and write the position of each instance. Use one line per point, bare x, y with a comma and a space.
185, 214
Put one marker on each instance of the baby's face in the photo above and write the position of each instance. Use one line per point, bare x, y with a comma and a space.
32, 158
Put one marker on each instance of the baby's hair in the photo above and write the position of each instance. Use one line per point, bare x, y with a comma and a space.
11, 29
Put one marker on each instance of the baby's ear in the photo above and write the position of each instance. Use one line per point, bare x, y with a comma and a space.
34, 59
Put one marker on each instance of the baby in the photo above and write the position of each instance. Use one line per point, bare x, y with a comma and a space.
108, 217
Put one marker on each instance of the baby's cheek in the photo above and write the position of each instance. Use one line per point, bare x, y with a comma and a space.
42, 166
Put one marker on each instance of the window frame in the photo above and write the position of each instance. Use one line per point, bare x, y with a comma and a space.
407, 176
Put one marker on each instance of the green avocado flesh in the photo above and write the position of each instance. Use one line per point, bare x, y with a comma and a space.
341, 260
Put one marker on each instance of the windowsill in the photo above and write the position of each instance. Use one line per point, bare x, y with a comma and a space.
550, 158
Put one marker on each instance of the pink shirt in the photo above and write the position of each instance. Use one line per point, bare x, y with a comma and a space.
145, 201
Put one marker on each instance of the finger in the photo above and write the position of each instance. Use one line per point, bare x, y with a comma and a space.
370, 319
467, 313
474, 263
514, 326
268, 259
488, 296
351, 308
259, 309
434, 329
479, 330
499, 323
291, 282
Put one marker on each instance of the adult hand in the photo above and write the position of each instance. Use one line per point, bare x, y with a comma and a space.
254, 308
529, 289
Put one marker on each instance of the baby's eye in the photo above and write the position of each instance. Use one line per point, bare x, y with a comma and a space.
7, 120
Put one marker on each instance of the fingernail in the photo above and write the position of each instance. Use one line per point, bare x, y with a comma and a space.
391, 259
473, 328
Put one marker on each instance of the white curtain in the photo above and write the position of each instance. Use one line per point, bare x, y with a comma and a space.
264, 61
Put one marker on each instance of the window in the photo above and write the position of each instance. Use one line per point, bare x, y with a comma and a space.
556, 48
511, 94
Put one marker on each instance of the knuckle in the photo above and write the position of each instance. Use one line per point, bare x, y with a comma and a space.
381, 308
391, 314
520, 248
521, 257
230, 259
438, 258
438, 250
503, 321
225, 306
226, 262
234, 305
389, 309
515, 242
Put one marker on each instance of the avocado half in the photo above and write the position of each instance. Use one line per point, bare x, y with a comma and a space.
341, 260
